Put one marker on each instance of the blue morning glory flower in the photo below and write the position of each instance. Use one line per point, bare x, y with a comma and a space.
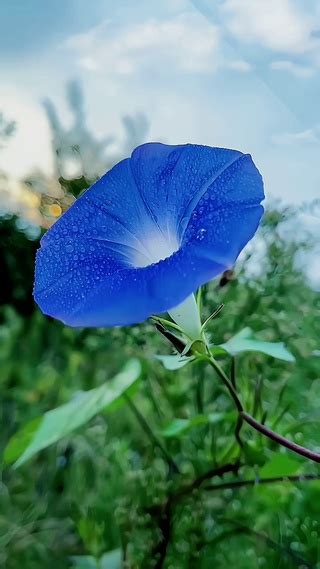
148, 234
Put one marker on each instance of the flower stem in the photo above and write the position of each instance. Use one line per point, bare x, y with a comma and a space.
226, 382
199, 387
294, 447
279, 439
244, 416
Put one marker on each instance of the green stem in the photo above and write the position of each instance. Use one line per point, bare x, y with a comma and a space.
214, 364
244, 416
238, 430
233, 484
199, 386
233, 372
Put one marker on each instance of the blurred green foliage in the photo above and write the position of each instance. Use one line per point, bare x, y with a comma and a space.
105, 486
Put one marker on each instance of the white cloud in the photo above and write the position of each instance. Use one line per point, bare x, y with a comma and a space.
239, 65
187, 42
307, 136
29, 148
294, 68
278, 25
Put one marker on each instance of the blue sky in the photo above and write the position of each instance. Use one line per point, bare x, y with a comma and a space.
237, 73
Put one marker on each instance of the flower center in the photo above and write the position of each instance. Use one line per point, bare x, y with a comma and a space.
153, 248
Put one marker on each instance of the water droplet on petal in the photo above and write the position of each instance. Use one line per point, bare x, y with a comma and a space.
201, 234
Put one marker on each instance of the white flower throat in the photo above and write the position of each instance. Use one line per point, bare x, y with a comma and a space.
154, 247
157, 246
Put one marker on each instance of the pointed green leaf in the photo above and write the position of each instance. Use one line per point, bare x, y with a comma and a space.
175, 428
217, 350
21, 440
174, 362
280, 465
60, 422
179, 427
245, 341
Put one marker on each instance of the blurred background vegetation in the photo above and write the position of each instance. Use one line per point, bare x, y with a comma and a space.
97, 496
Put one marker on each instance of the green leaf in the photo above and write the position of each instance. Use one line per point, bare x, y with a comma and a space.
111, 560
280, 465
217, 350
84, 562
245, 341
179, 427
175, 428
174, 362
21, 440
60, 422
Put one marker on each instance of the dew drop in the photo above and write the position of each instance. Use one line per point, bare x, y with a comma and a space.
201, 234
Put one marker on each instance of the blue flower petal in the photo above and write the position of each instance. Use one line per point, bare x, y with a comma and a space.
147, 234
173, 179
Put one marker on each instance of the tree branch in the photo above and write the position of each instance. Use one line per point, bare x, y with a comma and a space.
165, 526
218, 471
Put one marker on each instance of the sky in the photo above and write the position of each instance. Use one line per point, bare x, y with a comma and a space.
242, 74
